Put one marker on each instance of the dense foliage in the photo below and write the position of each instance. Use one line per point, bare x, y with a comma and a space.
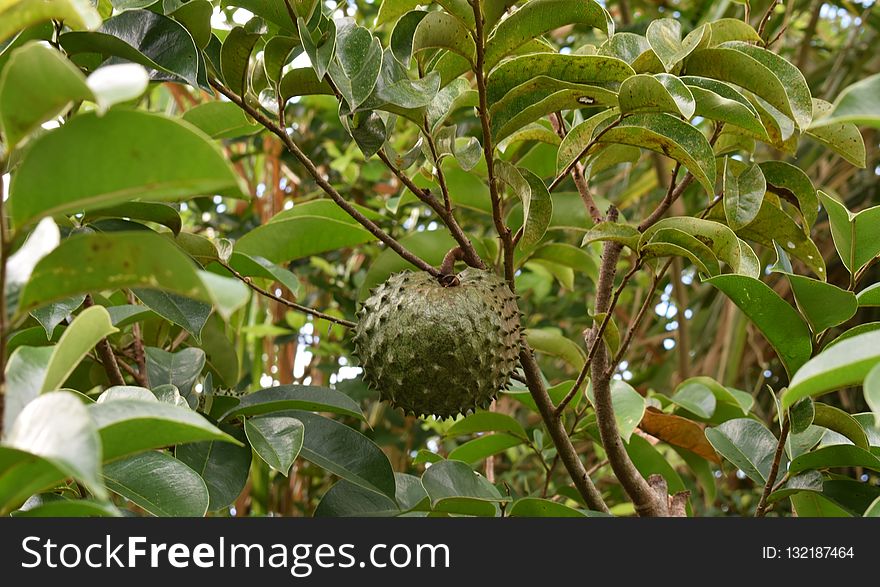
198, 196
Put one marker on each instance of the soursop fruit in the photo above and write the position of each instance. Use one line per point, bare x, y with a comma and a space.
431, 349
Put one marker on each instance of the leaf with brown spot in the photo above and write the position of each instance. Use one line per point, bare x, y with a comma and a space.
678, 431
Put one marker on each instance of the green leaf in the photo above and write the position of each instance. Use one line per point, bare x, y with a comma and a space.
717, 100
649, 461
801, 415
747, 444
744, 187
855, 237
57, 427
536, 203
295, 397
844, 364
872, 392
673, 242
159, 213
584, 70
117, 172
391, 10
656, 93
195, 15
773, 224
719, 238
345, 499
732, 29
615, 232
533, 507
854, 331
135, 259
345, 452
17, 15
302, 81
553, 343
664, 37
255, 266
360, 59
843, 138
800, 103
479, 448
37, 84
739, 400
185, 312
439, 30
839, 421
792, 184
857, 103
569, 256
276, 439
223, 466
487, 422
695, 398
453, 487
629, 406
839, 455
319, 44
23, 474
541, 16
777, 320
823, 305
129, 426
180, 369
579, 137
157, 42
235, 55
873, 510
730, 63
320, 226
809, 504
92, 325
667, 135
52, 315
158, 483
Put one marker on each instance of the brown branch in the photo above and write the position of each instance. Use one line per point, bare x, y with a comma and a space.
292, 305
564, 448
646, 500
768, 14
630, 333
501, 228
322, 182
447, 267
105, 352
774, 468
577, 173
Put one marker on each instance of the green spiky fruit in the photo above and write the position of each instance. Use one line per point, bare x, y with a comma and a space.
435, 350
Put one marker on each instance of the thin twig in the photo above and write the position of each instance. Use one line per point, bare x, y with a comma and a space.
322, 182
768, 14
292, 305
774, 468
501, 228
105, 352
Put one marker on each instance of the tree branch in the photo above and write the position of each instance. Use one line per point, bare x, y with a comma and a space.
488, 148
322, 182
564, 448
647, 502
774, 468
577, 174
292, 305
555, 183
105, 352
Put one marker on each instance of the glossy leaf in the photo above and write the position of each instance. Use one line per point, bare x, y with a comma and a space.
717, 100
553, 343
629, 406
539, 17
840, 455
360, 59
793, 184
16, 15
345, 499
37, 84
89, 327
777, 320
855, 238
487, 422
668, 136
533, 507
664, 37
453, 487
747, 444
180, 369
656, 93
129, 426
157, 42
744, 187
235, 56
843, 138
719, 238
844, 364
52, 315
839, 421
295, 397
276, 439
857, 103
116, 172
872, 392
479, 448
439, 30
223, 466
345, 452
160, 484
